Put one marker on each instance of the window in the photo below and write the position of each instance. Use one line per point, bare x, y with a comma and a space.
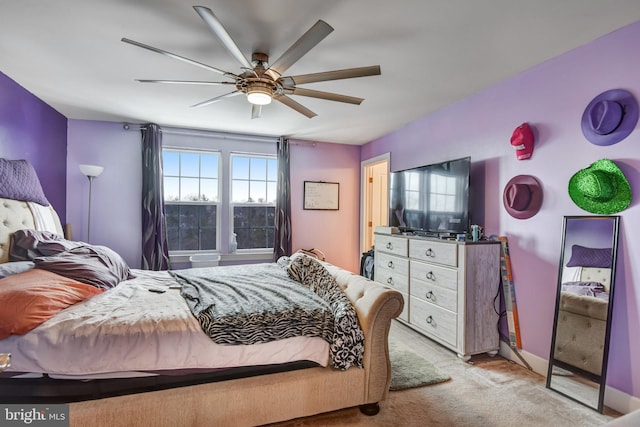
191, 197
412, 191
209, 195
443, 194
253, 200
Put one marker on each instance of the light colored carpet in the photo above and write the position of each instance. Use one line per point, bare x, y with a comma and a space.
485, 392
409, 370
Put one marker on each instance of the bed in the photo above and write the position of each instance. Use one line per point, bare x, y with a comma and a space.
582, 315
298, 378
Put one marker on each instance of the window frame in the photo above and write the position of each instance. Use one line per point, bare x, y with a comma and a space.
182, 139
218, 204
250, 204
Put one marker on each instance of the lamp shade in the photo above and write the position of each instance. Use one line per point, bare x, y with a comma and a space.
91, 170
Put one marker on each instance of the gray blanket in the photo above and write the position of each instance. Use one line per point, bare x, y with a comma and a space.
249, 304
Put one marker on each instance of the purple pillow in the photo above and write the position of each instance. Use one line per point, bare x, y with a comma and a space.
94, 265
19, 181
582, 256
27, 244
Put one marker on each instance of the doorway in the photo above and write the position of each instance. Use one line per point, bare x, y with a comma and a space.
374, 203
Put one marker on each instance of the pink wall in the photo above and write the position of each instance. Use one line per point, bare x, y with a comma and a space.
335, 233
552, 98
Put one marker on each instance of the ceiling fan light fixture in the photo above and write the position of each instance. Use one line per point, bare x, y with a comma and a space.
259, 79
259, 93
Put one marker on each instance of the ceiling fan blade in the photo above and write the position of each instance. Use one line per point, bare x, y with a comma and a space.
217, 98
185, 82
348, 73
216, 26
175, 56
304, 44
295, 105
256, 111
325, 95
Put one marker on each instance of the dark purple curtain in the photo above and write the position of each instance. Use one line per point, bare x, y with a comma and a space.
155, 253
282, 235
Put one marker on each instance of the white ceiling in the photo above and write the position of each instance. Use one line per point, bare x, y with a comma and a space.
432, 54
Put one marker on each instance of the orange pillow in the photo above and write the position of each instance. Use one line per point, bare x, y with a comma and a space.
30, 298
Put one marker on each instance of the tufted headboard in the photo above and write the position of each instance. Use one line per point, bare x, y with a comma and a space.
16, 215
597, 274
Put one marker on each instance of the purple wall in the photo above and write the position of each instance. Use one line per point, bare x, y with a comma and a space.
116, 198
32, 130
552, 98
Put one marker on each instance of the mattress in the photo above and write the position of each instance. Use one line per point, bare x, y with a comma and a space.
141, 326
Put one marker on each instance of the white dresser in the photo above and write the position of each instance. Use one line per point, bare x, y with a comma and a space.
449, 288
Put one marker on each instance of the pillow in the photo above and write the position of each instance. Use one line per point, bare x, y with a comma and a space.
19, 181
582, 256
30, 298
297, 267
98, 266
27, 244
284, 261
11, 268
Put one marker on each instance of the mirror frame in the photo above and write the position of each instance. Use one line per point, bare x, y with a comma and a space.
601, 380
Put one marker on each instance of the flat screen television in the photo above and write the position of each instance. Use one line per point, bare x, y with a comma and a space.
431, 199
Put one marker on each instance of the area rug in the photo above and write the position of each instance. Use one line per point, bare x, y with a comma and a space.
409, 369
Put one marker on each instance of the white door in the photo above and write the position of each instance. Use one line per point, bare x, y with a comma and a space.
375, 206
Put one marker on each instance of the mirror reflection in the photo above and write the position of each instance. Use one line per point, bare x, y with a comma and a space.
580, 339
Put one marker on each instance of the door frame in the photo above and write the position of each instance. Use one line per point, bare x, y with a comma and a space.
365, 203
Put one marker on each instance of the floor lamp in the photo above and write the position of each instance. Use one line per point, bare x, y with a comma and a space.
90, 171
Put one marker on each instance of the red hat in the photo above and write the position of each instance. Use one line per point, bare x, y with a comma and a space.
522, 141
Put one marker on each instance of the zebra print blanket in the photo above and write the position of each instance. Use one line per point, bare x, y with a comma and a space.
253, 304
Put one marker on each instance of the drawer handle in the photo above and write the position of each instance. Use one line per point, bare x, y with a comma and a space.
431, 276
430, 296
430, 253
390, 281
430, 321
389, 245
390, 264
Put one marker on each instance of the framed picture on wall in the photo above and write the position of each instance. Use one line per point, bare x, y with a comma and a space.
319, 195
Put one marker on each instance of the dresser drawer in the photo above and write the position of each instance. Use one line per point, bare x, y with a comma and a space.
392, 263
433, 320
435, 274
393, 279
428, 250
445, 298
391, 244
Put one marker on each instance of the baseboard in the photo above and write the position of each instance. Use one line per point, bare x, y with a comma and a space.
613, 398
535, 363
620, 401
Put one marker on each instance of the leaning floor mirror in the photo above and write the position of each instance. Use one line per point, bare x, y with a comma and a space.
584, 306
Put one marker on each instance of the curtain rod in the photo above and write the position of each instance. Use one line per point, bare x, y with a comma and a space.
218, 134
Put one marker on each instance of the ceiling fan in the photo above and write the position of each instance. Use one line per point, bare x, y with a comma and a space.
261, 81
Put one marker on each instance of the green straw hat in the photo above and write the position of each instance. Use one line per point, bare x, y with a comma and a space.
601, 188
